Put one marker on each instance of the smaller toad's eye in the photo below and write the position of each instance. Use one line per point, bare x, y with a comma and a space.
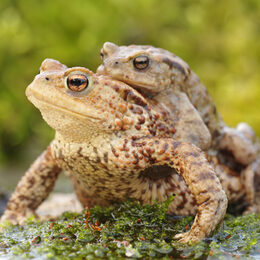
77, 82
141, 62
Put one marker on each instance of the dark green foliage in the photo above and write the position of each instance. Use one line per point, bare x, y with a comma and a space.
219, 39
128, 230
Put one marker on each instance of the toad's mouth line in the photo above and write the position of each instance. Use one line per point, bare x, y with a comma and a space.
144, 90
40, 99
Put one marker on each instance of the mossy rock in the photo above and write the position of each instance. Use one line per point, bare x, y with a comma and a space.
128, 230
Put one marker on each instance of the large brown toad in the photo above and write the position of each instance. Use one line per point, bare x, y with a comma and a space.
111, 141
163, 78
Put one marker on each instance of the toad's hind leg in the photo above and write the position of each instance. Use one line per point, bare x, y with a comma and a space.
32, 189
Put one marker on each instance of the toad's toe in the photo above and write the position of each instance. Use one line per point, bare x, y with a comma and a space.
188, 237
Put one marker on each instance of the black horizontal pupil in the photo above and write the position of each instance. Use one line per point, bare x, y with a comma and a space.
141, 62
77, 82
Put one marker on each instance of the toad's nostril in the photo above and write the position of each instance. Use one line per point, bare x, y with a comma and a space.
115, 64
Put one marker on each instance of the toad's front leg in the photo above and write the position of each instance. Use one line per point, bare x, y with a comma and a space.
32, 189
191, 163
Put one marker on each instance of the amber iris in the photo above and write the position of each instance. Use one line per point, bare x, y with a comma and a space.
141, 62
77, 82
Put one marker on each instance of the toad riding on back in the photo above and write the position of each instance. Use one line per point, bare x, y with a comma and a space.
167, 81
114, 145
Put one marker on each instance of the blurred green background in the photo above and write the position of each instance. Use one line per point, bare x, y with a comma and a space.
219, 39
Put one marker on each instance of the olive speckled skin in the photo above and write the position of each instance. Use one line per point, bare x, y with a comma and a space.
112, 143
165, 78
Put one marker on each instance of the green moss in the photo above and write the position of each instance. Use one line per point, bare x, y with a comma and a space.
127, 230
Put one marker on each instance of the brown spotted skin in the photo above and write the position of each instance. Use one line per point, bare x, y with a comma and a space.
165, 82
125, 169
32, 189
114, 145
167, 71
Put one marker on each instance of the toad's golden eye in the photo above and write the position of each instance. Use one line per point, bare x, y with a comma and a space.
77, 82
141, 62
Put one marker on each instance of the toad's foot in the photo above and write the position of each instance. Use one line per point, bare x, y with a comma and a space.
14, 218
196, 233
189, 236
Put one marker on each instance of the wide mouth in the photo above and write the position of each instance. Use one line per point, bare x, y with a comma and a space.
39, 98
145, 90
142, 88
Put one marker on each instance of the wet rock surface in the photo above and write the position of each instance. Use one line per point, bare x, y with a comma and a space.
58, 203
3, 200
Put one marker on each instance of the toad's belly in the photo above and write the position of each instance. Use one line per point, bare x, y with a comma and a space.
154, 184
95, 184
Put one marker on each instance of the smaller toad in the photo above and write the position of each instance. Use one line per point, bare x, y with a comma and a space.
153, 71
163, 77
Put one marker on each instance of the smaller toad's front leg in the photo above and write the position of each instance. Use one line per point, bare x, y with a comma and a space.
32, 189
191, 163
